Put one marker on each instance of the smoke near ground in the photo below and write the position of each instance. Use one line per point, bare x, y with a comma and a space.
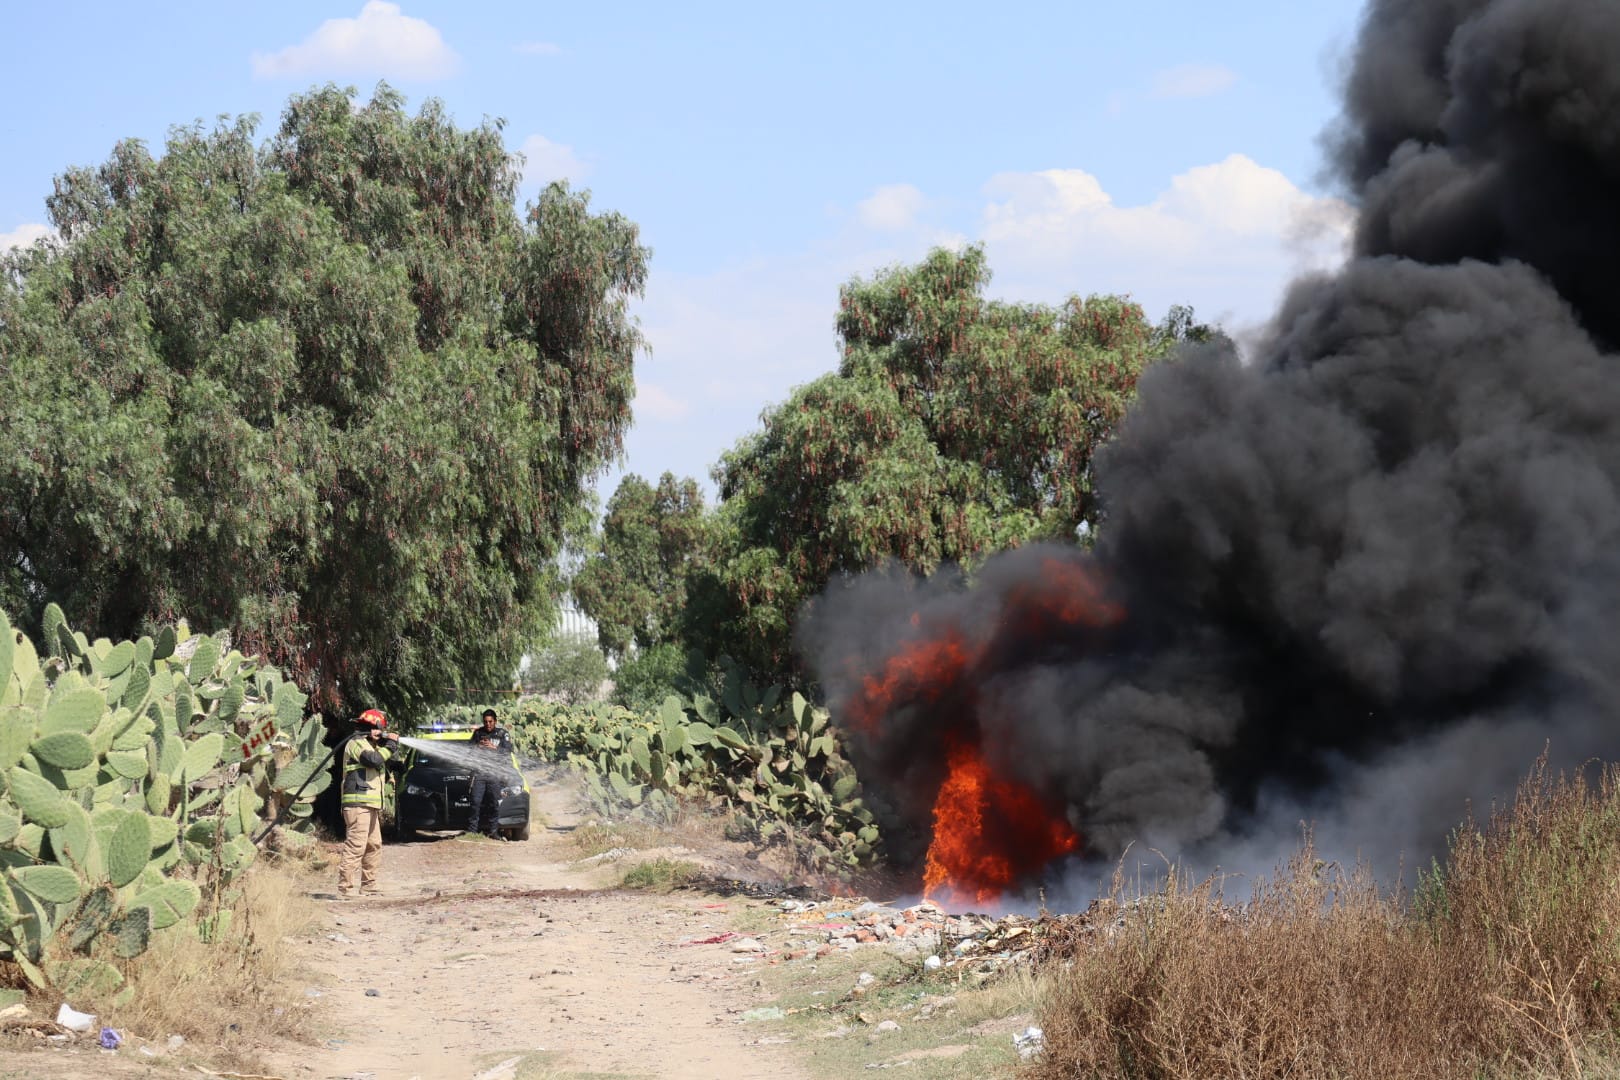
1368, 576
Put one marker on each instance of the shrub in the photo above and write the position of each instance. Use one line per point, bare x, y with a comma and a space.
569, 668
646, 677
1506, 961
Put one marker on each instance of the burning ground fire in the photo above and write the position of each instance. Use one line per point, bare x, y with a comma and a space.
1371, 560
989, 833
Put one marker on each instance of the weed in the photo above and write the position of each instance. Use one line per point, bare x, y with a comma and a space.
595, 837
1505, 962
234, 993
659, 875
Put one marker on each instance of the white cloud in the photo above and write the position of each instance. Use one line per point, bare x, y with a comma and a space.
653, 401
1225, 237
537, 48
382, 41
891, 208
22, 236
1193, 81
545, 161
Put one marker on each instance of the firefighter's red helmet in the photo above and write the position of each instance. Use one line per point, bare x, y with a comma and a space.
374, 718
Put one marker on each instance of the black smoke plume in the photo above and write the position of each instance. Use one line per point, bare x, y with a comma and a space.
1367, 575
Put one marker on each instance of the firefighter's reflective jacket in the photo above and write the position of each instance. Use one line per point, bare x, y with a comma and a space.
363, 766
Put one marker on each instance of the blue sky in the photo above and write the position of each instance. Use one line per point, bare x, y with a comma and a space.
1168, 150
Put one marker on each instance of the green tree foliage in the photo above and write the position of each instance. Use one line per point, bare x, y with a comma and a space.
331, 392
954, 427
568, 668
634, 583
645, 677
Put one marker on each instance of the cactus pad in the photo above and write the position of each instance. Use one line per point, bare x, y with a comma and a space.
65, 750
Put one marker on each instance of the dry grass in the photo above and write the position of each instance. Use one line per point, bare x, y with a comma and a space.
596, 837
237, 993
949, 1029
1505, 962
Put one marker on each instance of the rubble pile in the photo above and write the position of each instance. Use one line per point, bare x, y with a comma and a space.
967, 942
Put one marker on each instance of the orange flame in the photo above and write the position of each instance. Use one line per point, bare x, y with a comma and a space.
921, 670
1069, 595
989, 833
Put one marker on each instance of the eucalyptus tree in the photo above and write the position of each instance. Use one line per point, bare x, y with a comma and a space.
332, 391
955, 426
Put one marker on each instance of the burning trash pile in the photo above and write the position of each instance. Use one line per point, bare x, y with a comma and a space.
1359, 576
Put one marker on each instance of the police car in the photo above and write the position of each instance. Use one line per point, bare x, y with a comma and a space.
434, 793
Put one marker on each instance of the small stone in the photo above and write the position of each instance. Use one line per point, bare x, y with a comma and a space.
373, 993
887, 1025
747, 945
933, 963
865, 979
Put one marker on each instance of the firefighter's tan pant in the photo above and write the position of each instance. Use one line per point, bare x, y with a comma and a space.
362, 847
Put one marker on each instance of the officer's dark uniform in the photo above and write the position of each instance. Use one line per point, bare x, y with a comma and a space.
486, 783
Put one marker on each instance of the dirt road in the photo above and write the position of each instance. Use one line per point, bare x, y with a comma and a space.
487, 960
506, 959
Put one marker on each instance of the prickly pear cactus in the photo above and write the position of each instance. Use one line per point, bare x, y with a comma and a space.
769, 755
129, 772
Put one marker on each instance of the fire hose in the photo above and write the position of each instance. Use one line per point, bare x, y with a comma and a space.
313, 773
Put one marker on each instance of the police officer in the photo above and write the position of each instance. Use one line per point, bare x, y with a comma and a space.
486, 783
366, 755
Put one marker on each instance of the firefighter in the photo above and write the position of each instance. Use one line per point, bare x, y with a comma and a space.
368, 753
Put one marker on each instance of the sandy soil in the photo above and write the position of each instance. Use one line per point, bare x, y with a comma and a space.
481, 952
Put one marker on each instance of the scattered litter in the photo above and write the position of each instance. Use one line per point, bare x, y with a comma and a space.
73, 1019
340, 939
970, 942
176, 1042
110, 1039
865, 979
718, 939
748, 945
607, 856
1029, 1042
771, 1013
889, 1064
